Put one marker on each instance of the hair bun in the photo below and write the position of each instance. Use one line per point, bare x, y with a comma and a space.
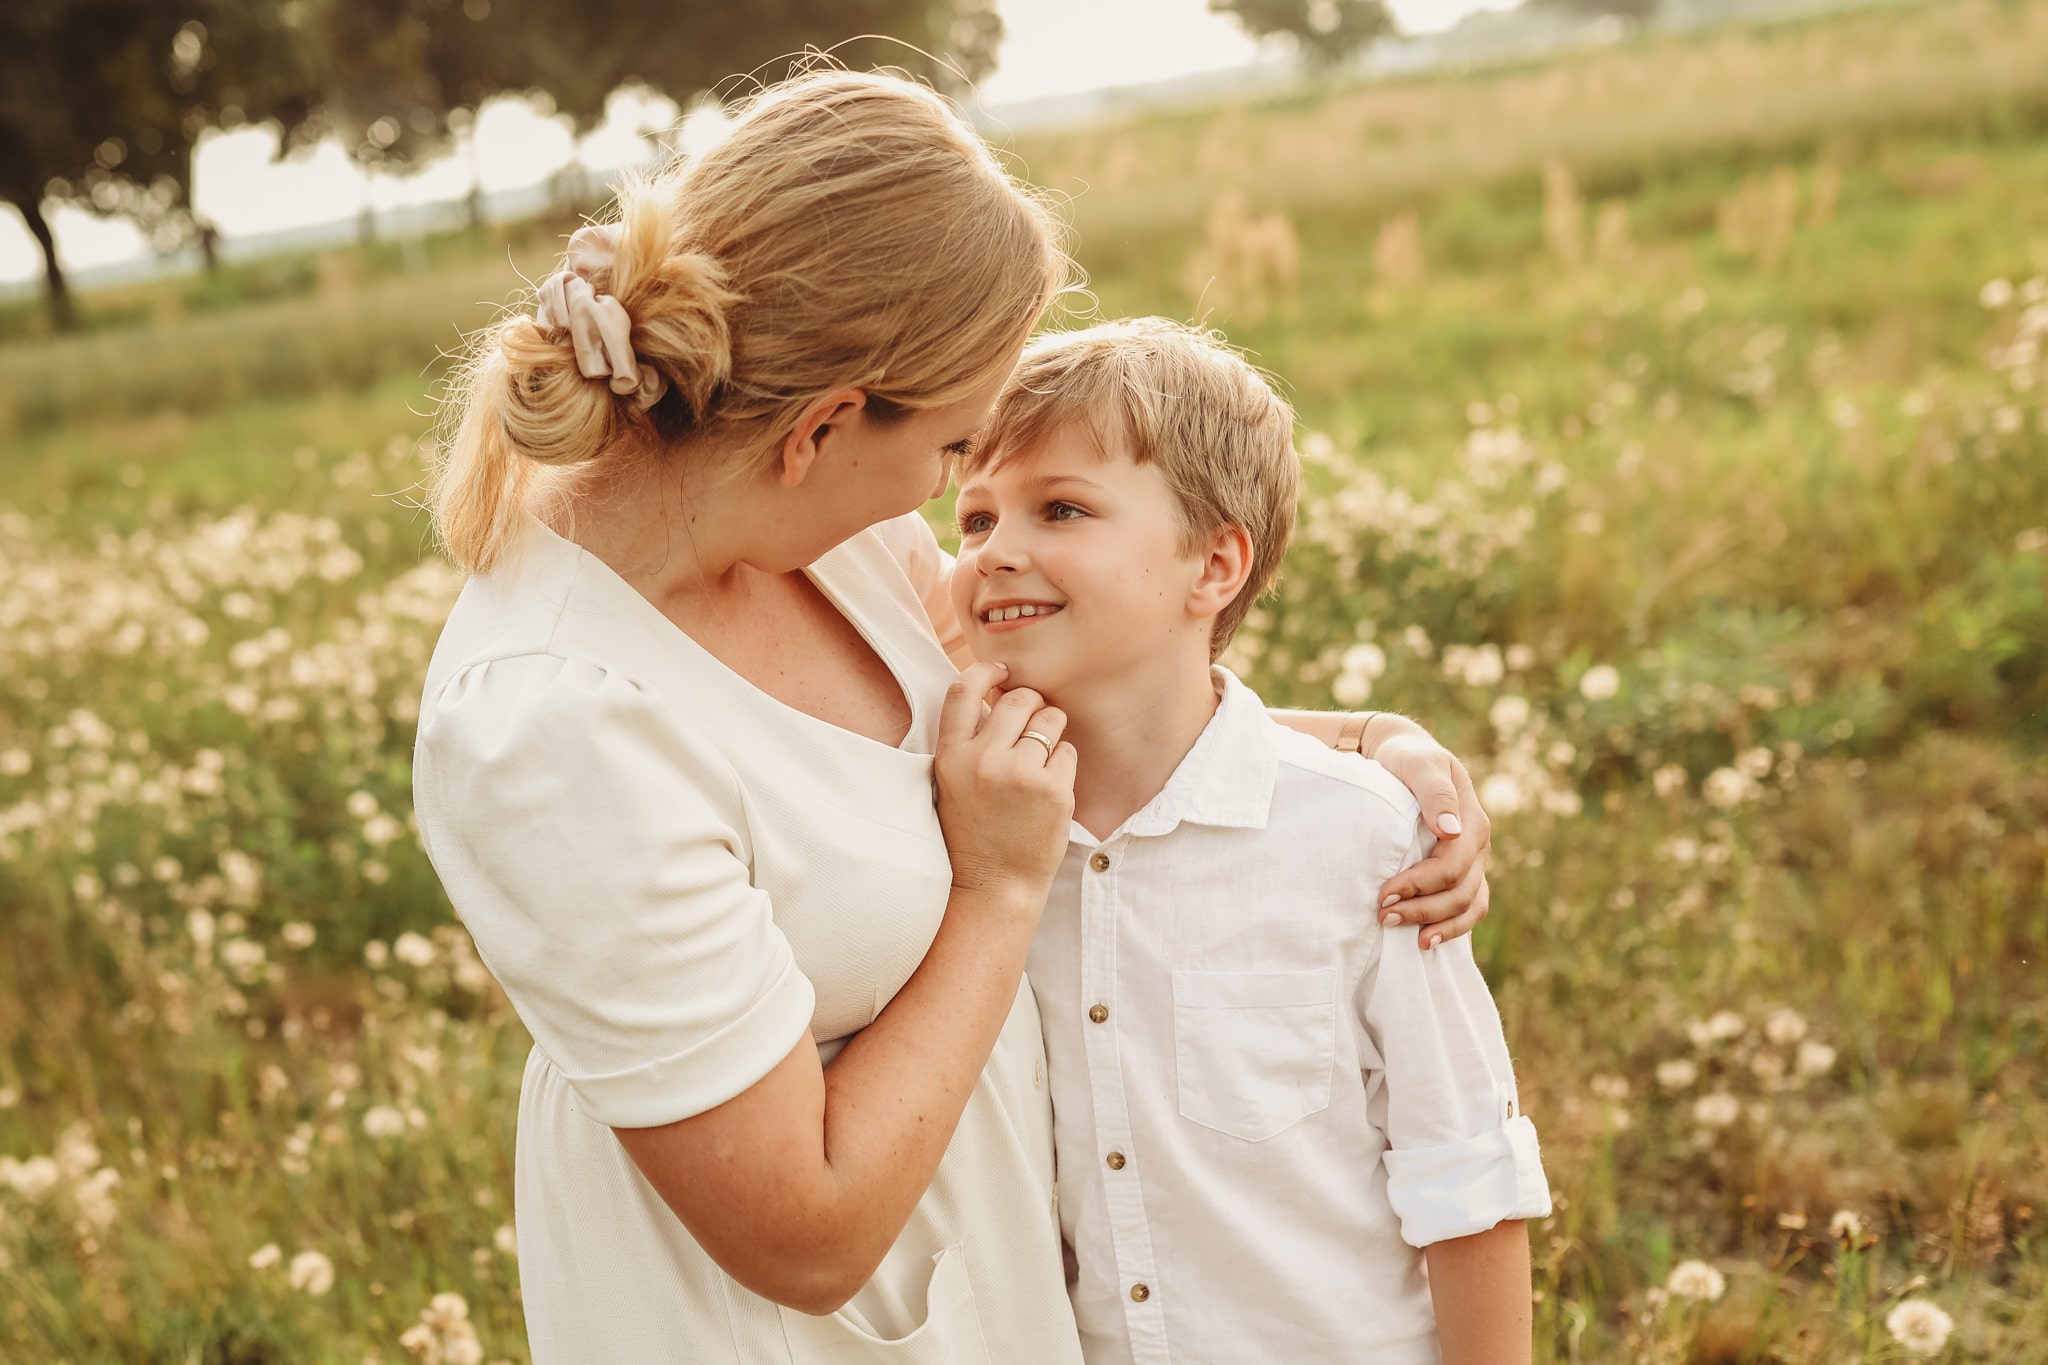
678, 300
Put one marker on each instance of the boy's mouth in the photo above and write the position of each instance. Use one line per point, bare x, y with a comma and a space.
1015, 614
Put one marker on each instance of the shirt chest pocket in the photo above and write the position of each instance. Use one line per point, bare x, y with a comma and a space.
1253, 1052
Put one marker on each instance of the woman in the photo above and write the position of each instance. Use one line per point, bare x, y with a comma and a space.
681, 737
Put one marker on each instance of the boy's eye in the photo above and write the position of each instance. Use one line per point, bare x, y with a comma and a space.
1063, 511
961, 448
974, 523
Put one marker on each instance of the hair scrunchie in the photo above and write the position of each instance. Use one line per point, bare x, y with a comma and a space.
598, 326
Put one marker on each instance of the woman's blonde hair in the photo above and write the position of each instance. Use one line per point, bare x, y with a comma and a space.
851, 230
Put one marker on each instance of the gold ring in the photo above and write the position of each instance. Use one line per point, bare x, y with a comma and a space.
1033, 734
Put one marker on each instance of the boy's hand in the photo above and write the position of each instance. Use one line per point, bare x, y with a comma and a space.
1446, 891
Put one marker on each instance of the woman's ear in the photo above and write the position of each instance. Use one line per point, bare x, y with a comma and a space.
1226, 566
830, 417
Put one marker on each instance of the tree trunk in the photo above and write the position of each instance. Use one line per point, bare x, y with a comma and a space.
209, 247
61, 311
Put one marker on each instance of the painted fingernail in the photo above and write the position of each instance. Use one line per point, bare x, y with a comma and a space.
1391, 897
1449, 824
1390, 920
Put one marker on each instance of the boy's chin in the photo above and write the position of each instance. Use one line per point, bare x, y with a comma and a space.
1045, 681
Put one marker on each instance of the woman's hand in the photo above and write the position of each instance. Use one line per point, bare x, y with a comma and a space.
1447, 891
1006, 799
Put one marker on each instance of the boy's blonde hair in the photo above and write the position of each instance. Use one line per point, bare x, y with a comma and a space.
851, 230
1176, 397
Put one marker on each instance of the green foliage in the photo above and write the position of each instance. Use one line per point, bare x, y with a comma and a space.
1328, 31
1726, 574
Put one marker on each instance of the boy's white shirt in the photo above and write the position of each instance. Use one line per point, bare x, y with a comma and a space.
1281, 1101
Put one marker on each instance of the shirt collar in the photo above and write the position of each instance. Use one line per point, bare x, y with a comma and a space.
1226, 780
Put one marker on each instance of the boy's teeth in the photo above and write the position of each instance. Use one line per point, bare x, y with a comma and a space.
995, 614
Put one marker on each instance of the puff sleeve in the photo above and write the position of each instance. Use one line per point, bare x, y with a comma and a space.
595, 854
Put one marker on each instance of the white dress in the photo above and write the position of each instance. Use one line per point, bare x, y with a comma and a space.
674, 875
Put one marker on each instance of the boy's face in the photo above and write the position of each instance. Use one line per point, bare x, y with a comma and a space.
1073, 569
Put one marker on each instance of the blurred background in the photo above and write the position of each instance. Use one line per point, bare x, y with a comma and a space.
1672, 382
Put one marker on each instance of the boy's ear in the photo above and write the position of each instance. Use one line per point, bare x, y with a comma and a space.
1225, 569
832, 415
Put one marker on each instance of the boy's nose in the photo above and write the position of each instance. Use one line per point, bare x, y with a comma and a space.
999, 553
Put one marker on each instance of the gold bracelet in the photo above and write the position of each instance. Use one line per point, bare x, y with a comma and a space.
1351, 734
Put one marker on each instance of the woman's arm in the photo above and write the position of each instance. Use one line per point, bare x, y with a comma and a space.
799, 1186
1480, 1286
1447, 891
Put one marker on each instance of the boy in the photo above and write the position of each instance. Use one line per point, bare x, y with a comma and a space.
1264, 1102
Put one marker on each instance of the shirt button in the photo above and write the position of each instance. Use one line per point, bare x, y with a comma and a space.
1139, 1293
1115, 1160
1100, 862
1098, 1013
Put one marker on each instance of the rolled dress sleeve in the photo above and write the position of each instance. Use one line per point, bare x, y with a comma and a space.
1461, 1156
605, 889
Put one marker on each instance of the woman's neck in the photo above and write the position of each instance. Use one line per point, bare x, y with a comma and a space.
1131, 733
674, 545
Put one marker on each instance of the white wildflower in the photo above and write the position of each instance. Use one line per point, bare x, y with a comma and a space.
383, 1121
1599, 683
1677, 1074
1815, 1058
94, 1196
1919, 1326
413, 950
506, 1240
77, 1154
1717, 1110
244, 957
297, 935
312, 1272
1502, 795
1723, 1026
1726, 788
1509, 713
266, 1256
1367, 659
31, 1179
376, 954
380, 829
1846, 1225
1669, 781
1784, 1026
361, 805
1695, 1280
1995, 294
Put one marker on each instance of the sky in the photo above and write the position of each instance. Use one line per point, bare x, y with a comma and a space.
239, 183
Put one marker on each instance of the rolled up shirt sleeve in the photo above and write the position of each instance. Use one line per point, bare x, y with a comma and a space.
581, 837
1461, 1157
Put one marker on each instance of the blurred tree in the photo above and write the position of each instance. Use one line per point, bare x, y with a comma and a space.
407, 76
102, 101
1328, 31
1642, 11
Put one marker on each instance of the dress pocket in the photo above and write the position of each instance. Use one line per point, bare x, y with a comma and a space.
1253, 1051
949, 1335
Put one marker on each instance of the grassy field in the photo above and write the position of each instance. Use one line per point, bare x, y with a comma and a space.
1678, 451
